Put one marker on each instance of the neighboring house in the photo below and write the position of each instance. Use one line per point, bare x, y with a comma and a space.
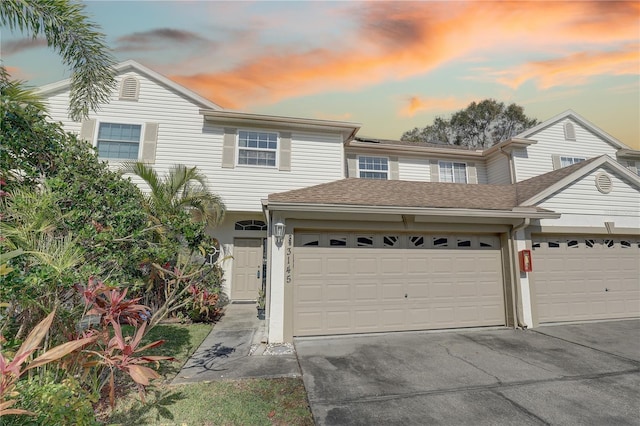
383, 235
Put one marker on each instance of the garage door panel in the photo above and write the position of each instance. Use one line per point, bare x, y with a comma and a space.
393, 289
597, 279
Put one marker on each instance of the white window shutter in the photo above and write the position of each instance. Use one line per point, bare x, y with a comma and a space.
555, 160
284, 163
149, 143
434, 171
394, 173
87, 131
229, 148
472, 173
352, 166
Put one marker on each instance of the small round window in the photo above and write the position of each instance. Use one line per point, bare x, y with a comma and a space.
604, 183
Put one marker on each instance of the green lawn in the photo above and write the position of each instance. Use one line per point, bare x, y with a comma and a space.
234, 402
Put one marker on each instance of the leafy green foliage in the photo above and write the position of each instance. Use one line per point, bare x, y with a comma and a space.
53, 403
480, 125
82, 47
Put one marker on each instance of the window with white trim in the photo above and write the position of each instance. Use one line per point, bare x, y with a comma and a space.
257, 148
568, 161
118, 141
453, 172
373, 167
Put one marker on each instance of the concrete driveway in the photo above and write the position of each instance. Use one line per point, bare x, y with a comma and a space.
587, 374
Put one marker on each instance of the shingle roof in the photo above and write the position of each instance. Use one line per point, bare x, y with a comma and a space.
410, 143
398, 193
530, 187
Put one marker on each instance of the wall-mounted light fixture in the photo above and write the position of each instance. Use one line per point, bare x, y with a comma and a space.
278, 232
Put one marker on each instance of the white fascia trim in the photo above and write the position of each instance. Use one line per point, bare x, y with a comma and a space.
123, 66
604, 159
518, 212
577, 117
362, 147
628, 153
347, 129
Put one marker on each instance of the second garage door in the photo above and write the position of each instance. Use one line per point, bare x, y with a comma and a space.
360, 283
579, 278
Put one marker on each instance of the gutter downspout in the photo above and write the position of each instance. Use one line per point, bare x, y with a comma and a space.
512, 172
515, 287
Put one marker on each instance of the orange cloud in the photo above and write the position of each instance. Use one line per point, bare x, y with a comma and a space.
575, 69
417, 104
397, 40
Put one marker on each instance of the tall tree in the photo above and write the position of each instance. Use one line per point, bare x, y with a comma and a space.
82, 47
480, 125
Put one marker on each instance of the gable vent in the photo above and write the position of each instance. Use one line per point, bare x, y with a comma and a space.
604, 183
129, 88
569, 131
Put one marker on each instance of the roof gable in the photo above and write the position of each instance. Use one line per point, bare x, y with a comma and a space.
532, 191
529, 133
129, 65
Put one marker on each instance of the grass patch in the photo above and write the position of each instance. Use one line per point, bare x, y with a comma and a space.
242, 402
181, 341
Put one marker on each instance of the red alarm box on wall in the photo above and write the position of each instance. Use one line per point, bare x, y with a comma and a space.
526, 265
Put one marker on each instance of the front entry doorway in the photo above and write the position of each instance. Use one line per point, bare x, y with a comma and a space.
247, 268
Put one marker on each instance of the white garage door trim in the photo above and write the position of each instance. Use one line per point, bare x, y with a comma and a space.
578, 278
374, 282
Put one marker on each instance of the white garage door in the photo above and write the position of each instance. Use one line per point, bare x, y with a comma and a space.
360, 283
579, 278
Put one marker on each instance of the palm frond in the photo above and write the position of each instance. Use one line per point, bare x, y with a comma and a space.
70, 32
18, 91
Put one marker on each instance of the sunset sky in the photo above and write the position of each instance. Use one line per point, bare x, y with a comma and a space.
390, 66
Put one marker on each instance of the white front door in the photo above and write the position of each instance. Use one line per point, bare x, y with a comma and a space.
247, 268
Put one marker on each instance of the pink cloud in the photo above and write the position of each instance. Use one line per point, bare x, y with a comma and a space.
397, 40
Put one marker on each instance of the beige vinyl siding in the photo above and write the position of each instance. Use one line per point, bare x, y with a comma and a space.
415, 169
481, 172
581, 204
537, 158
498, 170
185, 138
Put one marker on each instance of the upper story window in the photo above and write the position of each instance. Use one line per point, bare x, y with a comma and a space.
119, 141
453, 172
373, 167
567, 161
257, 148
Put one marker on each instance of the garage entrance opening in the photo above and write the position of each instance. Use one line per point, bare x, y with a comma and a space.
374, 282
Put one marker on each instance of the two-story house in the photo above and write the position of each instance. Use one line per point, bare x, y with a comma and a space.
358, 235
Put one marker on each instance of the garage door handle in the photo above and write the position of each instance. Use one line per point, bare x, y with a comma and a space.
606, 289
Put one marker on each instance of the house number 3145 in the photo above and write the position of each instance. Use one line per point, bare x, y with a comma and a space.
288, 266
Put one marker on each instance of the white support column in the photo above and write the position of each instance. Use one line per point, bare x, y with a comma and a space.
277, 276
525, 287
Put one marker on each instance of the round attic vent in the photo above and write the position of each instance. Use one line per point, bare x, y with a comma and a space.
603, 183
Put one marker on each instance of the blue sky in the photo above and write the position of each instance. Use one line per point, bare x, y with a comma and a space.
390, 66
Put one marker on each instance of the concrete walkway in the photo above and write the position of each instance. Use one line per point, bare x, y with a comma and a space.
236, 349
